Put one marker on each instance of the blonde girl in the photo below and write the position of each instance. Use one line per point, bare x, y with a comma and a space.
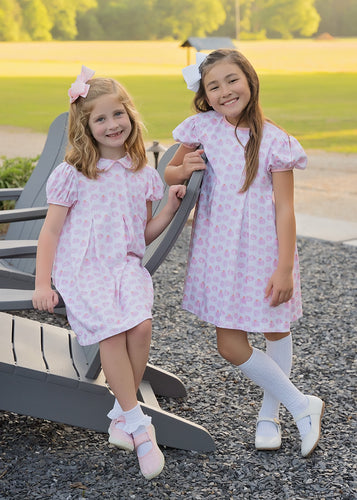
92, 242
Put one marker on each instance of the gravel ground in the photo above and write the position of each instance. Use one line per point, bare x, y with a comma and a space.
41, 459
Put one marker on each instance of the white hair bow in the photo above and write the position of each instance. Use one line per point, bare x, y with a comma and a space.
192, 73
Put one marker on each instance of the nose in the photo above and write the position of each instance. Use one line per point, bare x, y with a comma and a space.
112, 123
225, 90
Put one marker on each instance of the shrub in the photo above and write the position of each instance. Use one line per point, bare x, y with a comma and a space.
15, 172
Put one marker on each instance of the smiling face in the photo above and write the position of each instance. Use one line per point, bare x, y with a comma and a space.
227, 90
110, 126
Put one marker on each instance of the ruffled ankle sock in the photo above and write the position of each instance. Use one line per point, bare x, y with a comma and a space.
115, 413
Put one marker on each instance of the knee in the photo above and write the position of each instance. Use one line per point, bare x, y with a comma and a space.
233, 347
231, 353
225, 351
142, 331
276, 336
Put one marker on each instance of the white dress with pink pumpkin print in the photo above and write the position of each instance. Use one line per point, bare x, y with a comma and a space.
97, 267
234, 246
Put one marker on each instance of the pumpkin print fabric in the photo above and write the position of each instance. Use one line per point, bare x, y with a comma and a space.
234, 246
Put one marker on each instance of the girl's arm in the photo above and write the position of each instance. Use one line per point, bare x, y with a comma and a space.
155, 225
185, 161
44, 297
281, 284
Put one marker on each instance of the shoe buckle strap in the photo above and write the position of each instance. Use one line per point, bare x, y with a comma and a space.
142, 438
268, 419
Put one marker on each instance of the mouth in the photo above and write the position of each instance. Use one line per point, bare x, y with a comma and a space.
230, 102
114, 134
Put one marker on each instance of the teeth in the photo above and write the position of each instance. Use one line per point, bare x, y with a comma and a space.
230, 102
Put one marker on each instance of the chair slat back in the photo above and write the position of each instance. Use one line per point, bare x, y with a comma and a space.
34, 193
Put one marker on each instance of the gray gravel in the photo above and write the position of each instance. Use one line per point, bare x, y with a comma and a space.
41, 459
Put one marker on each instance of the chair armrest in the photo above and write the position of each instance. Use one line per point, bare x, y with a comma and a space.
18, 300
16, 249
10, 193
157, 251
22, 214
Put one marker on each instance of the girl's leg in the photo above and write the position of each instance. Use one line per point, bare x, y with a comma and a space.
278, 348
124, 359
138, 341
122, 375
118, 369
233, 345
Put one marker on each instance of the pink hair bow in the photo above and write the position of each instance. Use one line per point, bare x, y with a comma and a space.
192, 73
80, 87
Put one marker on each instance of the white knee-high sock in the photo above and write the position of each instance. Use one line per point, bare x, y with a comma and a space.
266, 373
281, 352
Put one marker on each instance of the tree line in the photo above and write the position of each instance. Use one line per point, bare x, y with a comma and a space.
25, 20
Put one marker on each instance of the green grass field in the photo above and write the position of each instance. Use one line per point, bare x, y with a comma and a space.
307, 87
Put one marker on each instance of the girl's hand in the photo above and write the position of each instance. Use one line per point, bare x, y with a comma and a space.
176, 193
191, 162
280, 287
45, 299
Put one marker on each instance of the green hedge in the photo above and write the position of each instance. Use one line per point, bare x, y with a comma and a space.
15, 172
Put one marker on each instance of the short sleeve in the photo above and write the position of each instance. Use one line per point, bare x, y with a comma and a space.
187, 132
62, 188
287, 155
154, 185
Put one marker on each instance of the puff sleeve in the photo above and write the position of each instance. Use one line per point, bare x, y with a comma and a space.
62, 186
287, 155
187, 132
154, 185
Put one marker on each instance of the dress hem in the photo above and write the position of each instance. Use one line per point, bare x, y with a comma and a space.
107, 336
243, 328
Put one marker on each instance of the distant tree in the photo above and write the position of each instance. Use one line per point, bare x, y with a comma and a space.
89, 27
228, 28
285, 18
184, 18
10, 20
338, 17
63, 14
127, 19
150, 19
272, 18
36, 24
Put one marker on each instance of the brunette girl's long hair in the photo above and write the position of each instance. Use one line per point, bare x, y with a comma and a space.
83, 152
252, 114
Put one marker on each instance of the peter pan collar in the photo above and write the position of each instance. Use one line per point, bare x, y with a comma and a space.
105, 164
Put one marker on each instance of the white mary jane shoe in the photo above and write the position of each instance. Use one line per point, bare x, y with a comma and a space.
268, 442
315, 410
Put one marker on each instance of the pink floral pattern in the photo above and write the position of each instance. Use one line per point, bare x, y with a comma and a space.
97, 267
234, 247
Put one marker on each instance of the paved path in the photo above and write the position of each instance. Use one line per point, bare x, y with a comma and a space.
325, 193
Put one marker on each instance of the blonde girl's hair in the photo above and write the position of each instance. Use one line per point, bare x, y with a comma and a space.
252, 114
83, 152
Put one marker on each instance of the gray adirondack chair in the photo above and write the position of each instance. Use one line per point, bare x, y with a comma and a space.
45, 373
25, 220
